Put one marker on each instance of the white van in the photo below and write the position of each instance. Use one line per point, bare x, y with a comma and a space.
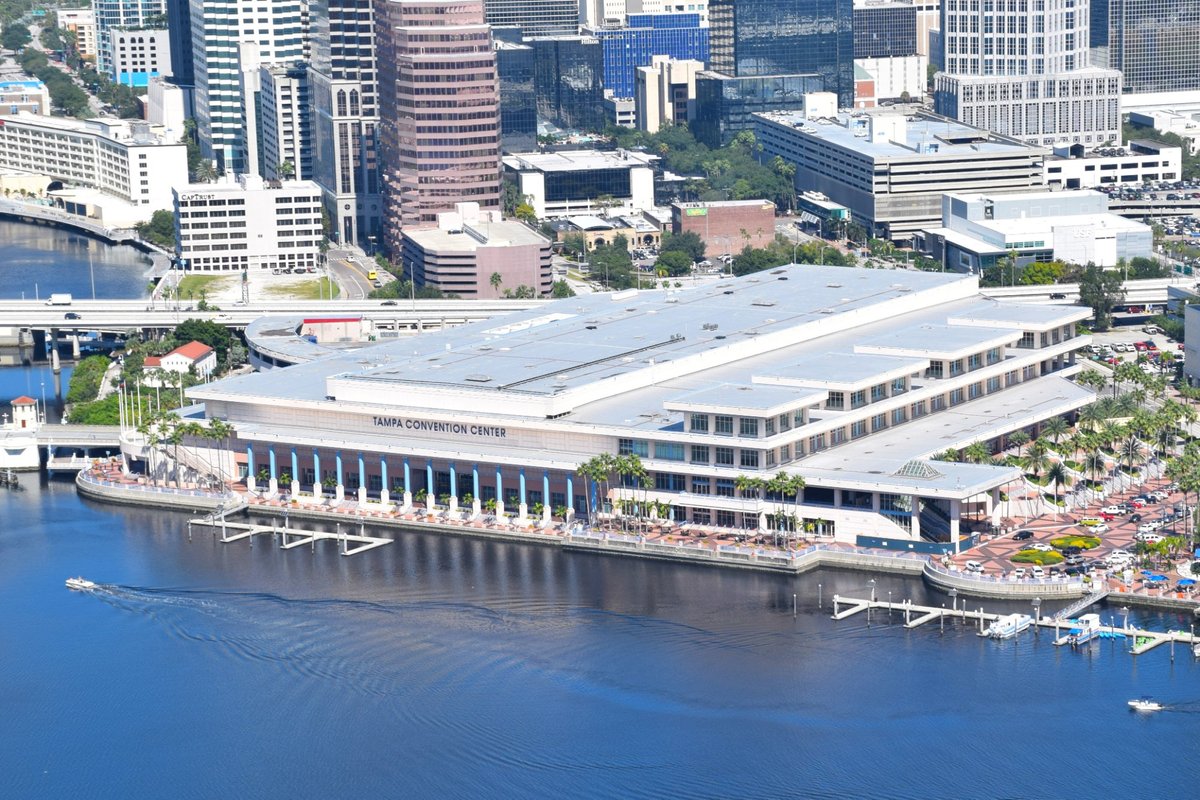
1037, 572
975, 566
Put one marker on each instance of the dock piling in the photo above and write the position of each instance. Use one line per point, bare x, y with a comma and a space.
819, 603
793, 605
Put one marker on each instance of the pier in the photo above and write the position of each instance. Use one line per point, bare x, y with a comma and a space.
289, 537
1142, 641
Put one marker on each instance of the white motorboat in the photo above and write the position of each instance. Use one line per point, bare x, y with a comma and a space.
1008, 626
80, 584
1145, 704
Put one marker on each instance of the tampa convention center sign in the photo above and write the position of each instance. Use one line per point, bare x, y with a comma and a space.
430, 426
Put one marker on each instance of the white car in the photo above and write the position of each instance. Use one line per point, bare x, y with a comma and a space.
1037, 572
1114, 510
1149, 527
974, 566
1149, 538
1045, 548
1101, 528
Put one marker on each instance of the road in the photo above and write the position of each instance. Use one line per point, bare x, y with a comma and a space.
350, 272
94, 104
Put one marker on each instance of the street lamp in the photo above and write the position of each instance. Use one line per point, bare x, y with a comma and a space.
954, 599
872, 582
1037, 613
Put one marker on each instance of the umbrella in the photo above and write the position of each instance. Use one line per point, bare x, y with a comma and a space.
1147, 572
1187, 582
1156, 578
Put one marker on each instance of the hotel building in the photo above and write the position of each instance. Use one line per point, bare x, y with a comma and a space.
849, 378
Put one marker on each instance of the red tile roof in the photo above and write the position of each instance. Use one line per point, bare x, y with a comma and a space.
193, 351
152, 361
24, 401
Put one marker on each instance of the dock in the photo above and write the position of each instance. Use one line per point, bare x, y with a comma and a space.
1142, 641
290, 537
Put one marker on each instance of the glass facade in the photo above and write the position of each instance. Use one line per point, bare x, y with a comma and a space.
785, 38
729, 104
885, 31
1152, 42
562, 186
535, 17
644, 36
516, 67
569, 81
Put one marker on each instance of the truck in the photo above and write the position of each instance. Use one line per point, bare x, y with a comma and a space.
59, 299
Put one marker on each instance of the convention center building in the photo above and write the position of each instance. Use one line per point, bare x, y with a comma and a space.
852, 379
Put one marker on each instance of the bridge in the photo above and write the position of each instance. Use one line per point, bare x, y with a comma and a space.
1152, 291
79, 436
1154, 209
117, 316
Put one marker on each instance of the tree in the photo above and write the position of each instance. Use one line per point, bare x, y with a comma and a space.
673, 263
286, 170
1036, 458
1040, 273
1101, 290
688, 243
495, 280
1018, 439
561, 289
1058, 475
15, 36
160, 230
976, 453
1055, 428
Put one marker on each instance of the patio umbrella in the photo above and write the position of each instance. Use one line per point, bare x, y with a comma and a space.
1156, 578
1187, 582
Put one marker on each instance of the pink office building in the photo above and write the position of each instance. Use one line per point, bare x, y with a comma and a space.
439, 110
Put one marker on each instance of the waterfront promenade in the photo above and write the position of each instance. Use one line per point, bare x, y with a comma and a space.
655, 539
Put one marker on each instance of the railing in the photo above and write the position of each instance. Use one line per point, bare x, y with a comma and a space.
990, 580
87, 477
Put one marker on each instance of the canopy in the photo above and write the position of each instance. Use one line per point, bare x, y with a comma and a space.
1187, 582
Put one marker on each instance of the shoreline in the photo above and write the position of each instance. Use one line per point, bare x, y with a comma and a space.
578, 539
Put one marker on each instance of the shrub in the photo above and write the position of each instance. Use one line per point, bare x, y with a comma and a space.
1039, 557
1082, 542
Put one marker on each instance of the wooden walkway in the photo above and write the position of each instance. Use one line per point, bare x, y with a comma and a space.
1142, 641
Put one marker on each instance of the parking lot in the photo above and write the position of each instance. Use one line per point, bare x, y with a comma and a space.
1132, 343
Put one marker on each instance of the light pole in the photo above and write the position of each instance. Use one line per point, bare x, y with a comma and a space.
412, 284
954, 599
1037, 614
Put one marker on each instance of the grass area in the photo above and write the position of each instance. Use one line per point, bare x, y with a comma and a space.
1082, 542
1041, 557
192, 285
321, 288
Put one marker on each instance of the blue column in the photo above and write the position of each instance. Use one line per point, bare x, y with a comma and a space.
295, 466
475, 480
499, 486
338, 460
570, 493
453, 480
546, 490
429, 487
407, 476
383, 482
362, 471
316, 467
271, 454
595, 491
522, 474
250, 461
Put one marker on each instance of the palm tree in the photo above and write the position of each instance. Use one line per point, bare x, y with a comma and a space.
1094, 463
1131, 449
495, 280
1055, 428
976, 453
1018, 439
1036, 459
1058, 475
1092, 416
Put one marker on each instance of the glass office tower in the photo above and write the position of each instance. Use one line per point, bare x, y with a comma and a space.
751, 38
885, 30
570, 81
1154, 43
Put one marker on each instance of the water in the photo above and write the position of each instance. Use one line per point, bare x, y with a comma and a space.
446, 667
39, 260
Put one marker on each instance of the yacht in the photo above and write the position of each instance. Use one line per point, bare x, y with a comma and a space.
1145, 704
1008, 626
80, 584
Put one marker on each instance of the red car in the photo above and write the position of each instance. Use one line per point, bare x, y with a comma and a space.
1137, 503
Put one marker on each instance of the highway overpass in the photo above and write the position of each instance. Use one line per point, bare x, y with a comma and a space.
122, 315
1152, 291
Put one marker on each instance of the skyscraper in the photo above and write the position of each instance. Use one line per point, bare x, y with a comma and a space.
439, 116
179, 26
641, 38
885, 29
112, 15
342, 80
231, 38
1154, 43
756, 38
535, 17
1021, 68
569, 81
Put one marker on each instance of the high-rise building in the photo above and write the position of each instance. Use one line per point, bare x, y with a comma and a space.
342, 83
136, 56
1022, 69
643, 37
665, 93
285, 122
439, 115
232, 38
82, 23
114, 15
756, 38
179, 25
1154, 43
885, 29
569, 81
535, 17
516, 65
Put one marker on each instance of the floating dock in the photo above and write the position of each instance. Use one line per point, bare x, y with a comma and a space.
915, 616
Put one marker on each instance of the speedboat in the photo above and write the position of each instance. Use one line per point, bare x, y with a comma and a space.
1145, 704
80, 584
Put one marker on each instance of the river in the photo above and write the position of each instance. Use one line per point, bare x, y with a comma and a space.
442, 667
39, 260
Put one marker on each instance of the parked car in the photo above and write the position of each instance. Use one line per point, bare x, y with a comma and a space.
1022, 536
1111, 510
1075, 560
1039, 546
1149, 538
1136, 518
974, 566
1037, 572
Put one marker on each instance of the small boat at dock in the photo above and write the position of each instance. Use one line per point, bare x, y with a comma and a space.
80, 584
1145, 704
1087, 628
1008, 626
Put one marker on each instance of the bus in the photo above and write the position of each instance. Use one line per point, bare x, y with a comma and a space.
372, 275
